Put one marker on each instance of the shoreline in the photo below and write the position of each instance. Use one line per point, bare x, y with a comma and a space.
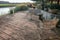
6, 6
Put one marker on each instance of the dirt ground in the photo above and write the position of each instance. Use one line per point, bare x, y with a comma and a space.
19, 27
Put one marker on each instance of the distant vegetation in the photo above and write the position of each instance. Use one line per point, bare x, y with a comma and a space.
54, 6
10, 5
7, 5
19, 8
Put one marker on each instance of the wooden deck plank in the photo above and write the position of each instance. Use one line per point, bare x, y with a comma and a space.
1, 38
18, 27
4, 35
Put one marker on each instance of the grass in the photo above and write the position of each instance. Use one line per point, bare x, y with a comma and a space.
10, 5
19, 8
7, 5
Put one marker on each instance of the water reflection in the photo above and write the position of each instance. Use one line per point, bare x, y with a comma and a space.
5, 10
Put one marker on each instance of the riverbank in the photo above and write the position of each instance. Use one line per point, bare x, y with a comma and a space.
11, 5
7, 5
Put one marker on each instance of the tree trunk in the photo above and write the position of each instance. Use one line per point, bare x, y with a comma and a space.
51, 2
42, 4
57, 1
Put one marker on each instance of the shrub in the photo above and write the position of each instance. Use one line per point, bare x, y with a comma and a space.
54, 6
20, 8
11, 11
7, 5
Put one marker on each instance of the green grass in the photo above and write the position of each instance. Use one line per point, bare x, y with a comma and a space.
6, 5
10, 5
19, 8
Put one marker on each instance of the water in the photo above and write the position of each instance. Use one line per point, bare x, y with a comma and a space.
5, 10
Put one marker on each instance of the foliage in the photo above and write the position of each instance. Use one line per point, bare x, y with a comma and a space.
40, 0
11, 11
39, 6
10, 5
54, 6
7, 5
20, 8
36, 0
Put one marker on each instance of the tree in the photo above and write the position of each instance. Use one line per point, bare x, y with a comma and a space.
41, 1
37, 0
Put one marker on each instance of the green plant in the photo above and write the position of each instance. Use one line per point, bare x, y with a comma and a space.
7, 5
39, 6
20, 8
54, 6
11, 11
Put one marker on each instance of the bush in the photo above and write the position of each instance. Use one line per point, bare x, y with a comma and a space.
7, 5
39, 6
54, 6
20, 8
11, 11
